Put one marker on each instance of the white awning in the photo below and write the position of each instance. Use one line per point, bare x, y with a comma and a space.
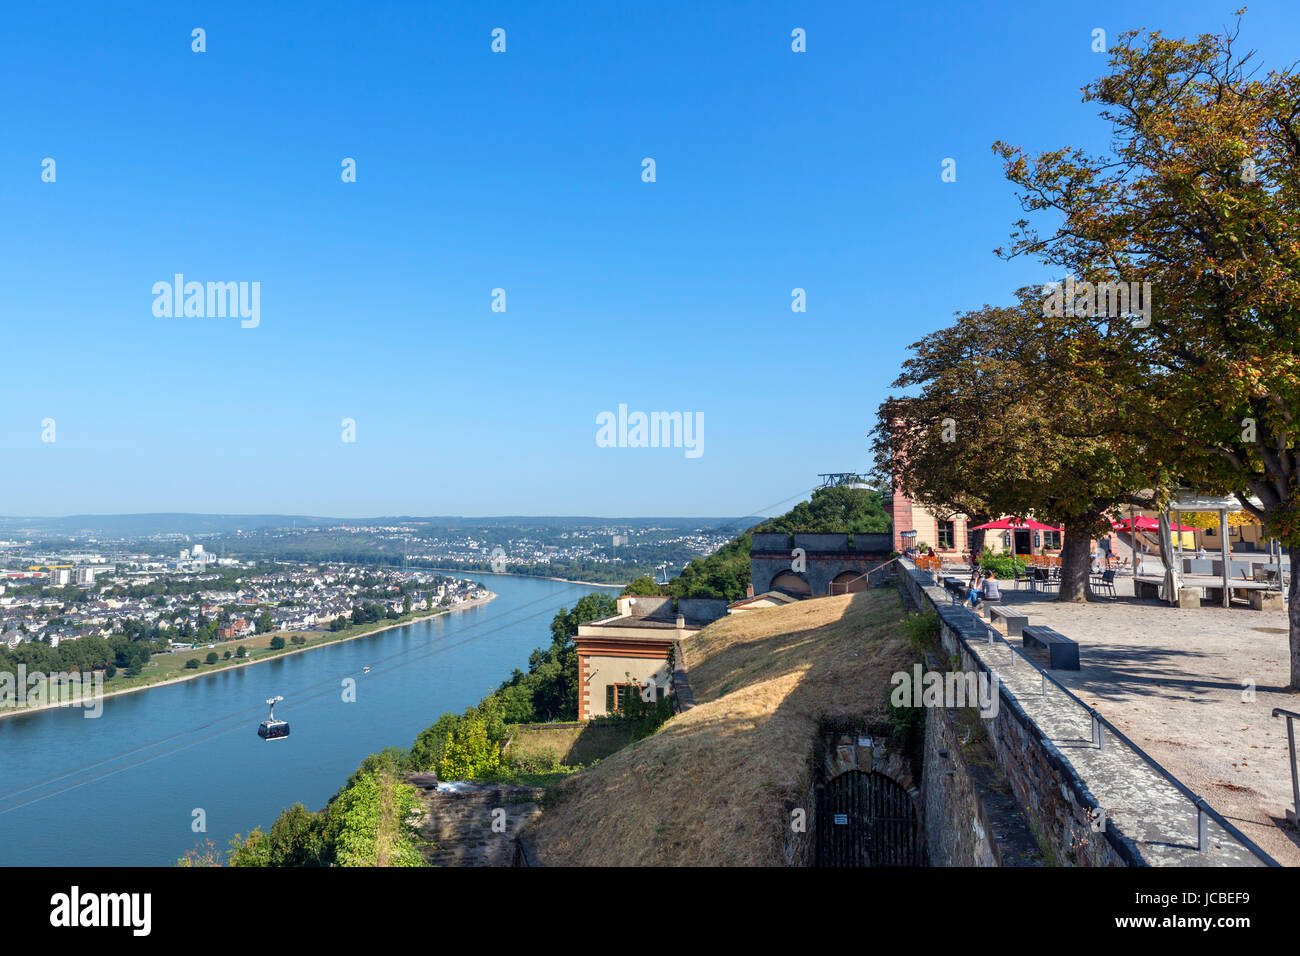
1190, 501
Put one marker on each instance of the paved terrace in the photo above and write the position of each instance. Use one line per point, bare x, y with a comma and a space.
1171, 680
1149, 667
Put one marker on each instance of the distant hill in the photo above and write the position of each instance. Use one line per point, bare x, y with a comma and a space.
725, 573
143, 525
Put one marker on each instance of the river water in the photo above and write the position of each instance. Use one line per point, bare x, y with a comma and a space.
132, 787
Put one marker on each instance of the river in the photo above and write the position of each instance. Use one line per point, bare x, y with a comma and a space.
133, 786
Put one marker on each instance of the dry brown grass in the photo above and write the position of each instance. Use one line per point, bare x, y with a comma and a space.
710, 788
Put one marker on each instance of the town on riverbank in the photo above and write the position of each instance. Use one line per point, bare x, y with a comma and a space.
136, 625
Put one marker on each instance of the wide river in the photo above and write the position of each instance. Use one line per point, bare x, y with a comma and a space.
132, 787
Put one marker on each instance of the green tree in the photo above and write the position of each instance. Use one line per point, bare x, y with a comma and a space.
1038, 455
277, 643
297, 839
376, 828
264, 623
1199, 195
212, 657
642, 586
469, 752
251, 850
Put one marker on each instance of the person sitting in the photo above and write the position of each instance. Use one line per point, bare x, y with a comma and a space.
973, 587
991, 592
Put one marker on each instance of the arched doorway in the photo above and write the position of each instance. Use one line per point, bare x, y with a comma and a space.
866, 819
849, 582
791, 583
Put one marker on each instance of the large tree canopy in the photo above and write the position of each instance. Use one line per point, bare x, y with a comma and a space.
1197, 196
1001, 425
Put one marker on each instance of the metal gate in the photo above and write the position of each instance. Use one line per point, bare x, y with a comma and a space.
866, 819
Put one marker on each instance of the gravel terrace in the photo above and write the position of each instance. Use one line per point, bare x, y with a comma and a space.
1173, 680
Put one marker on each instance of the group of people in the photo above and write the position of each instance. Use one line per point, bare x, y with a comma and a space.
983, 585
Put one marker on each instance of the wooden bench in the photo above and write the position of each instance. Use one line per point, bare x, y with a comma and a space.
1062, 653
956, 587
985, 607
1013, 619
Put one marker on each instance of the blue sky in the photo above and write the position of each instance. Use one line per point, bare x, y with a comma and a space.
519, 171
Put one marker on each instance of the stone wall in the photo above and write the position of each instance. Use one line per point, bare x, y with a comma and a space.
970, 817
1059, 808
826, 556
459, 823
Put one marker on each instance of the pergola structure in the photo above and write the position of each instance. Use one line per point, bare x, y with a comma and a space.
1190, 501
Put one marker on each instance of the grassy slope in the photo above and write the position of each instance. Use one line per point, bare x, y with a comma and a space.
710, 787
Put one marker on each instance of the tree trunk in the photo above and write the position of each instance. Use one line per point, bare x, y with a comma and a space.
1076, 562
1293, 619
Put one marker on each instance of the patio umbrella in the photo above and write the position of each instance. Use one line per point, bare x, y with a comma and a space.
1144, 523
1008, 524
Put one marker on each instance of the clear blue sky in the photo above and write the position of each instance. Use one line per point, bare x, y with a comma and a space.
522, 171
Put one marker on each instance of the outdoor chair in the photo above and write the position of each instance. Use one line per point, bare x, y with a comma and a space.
1104, 582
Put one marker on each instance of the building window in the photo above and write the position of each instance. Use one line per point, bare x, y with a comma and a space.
946, 535
1052, 540
618, 696
970, 540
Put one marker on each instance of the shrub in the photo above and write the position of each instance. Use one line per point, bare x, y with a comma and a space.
192, 663
921, 629
905, 723
1003, 565
212, 657
468, 752
277, 643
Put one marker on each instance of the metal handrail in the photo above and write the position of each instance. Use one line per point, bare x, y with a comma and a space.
1100, 723
1290, 716
867, 574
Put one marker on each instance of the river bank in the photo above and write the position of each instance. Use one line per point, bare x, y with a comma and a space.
327, 638
532, 577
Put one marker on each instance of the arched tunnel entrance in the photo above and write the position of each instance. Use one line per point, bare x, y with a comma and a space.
866, 819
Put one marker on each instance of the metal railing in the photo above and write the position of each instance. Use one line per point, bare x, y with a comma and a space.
1100, 726
1293, 814
878, 567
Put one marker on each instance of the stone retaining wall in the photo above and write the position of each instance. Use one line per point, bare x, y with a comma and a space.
459, 823
1058, 805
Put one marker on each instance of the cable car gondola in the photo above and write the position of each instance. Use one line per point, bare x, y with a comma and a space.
272, 729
